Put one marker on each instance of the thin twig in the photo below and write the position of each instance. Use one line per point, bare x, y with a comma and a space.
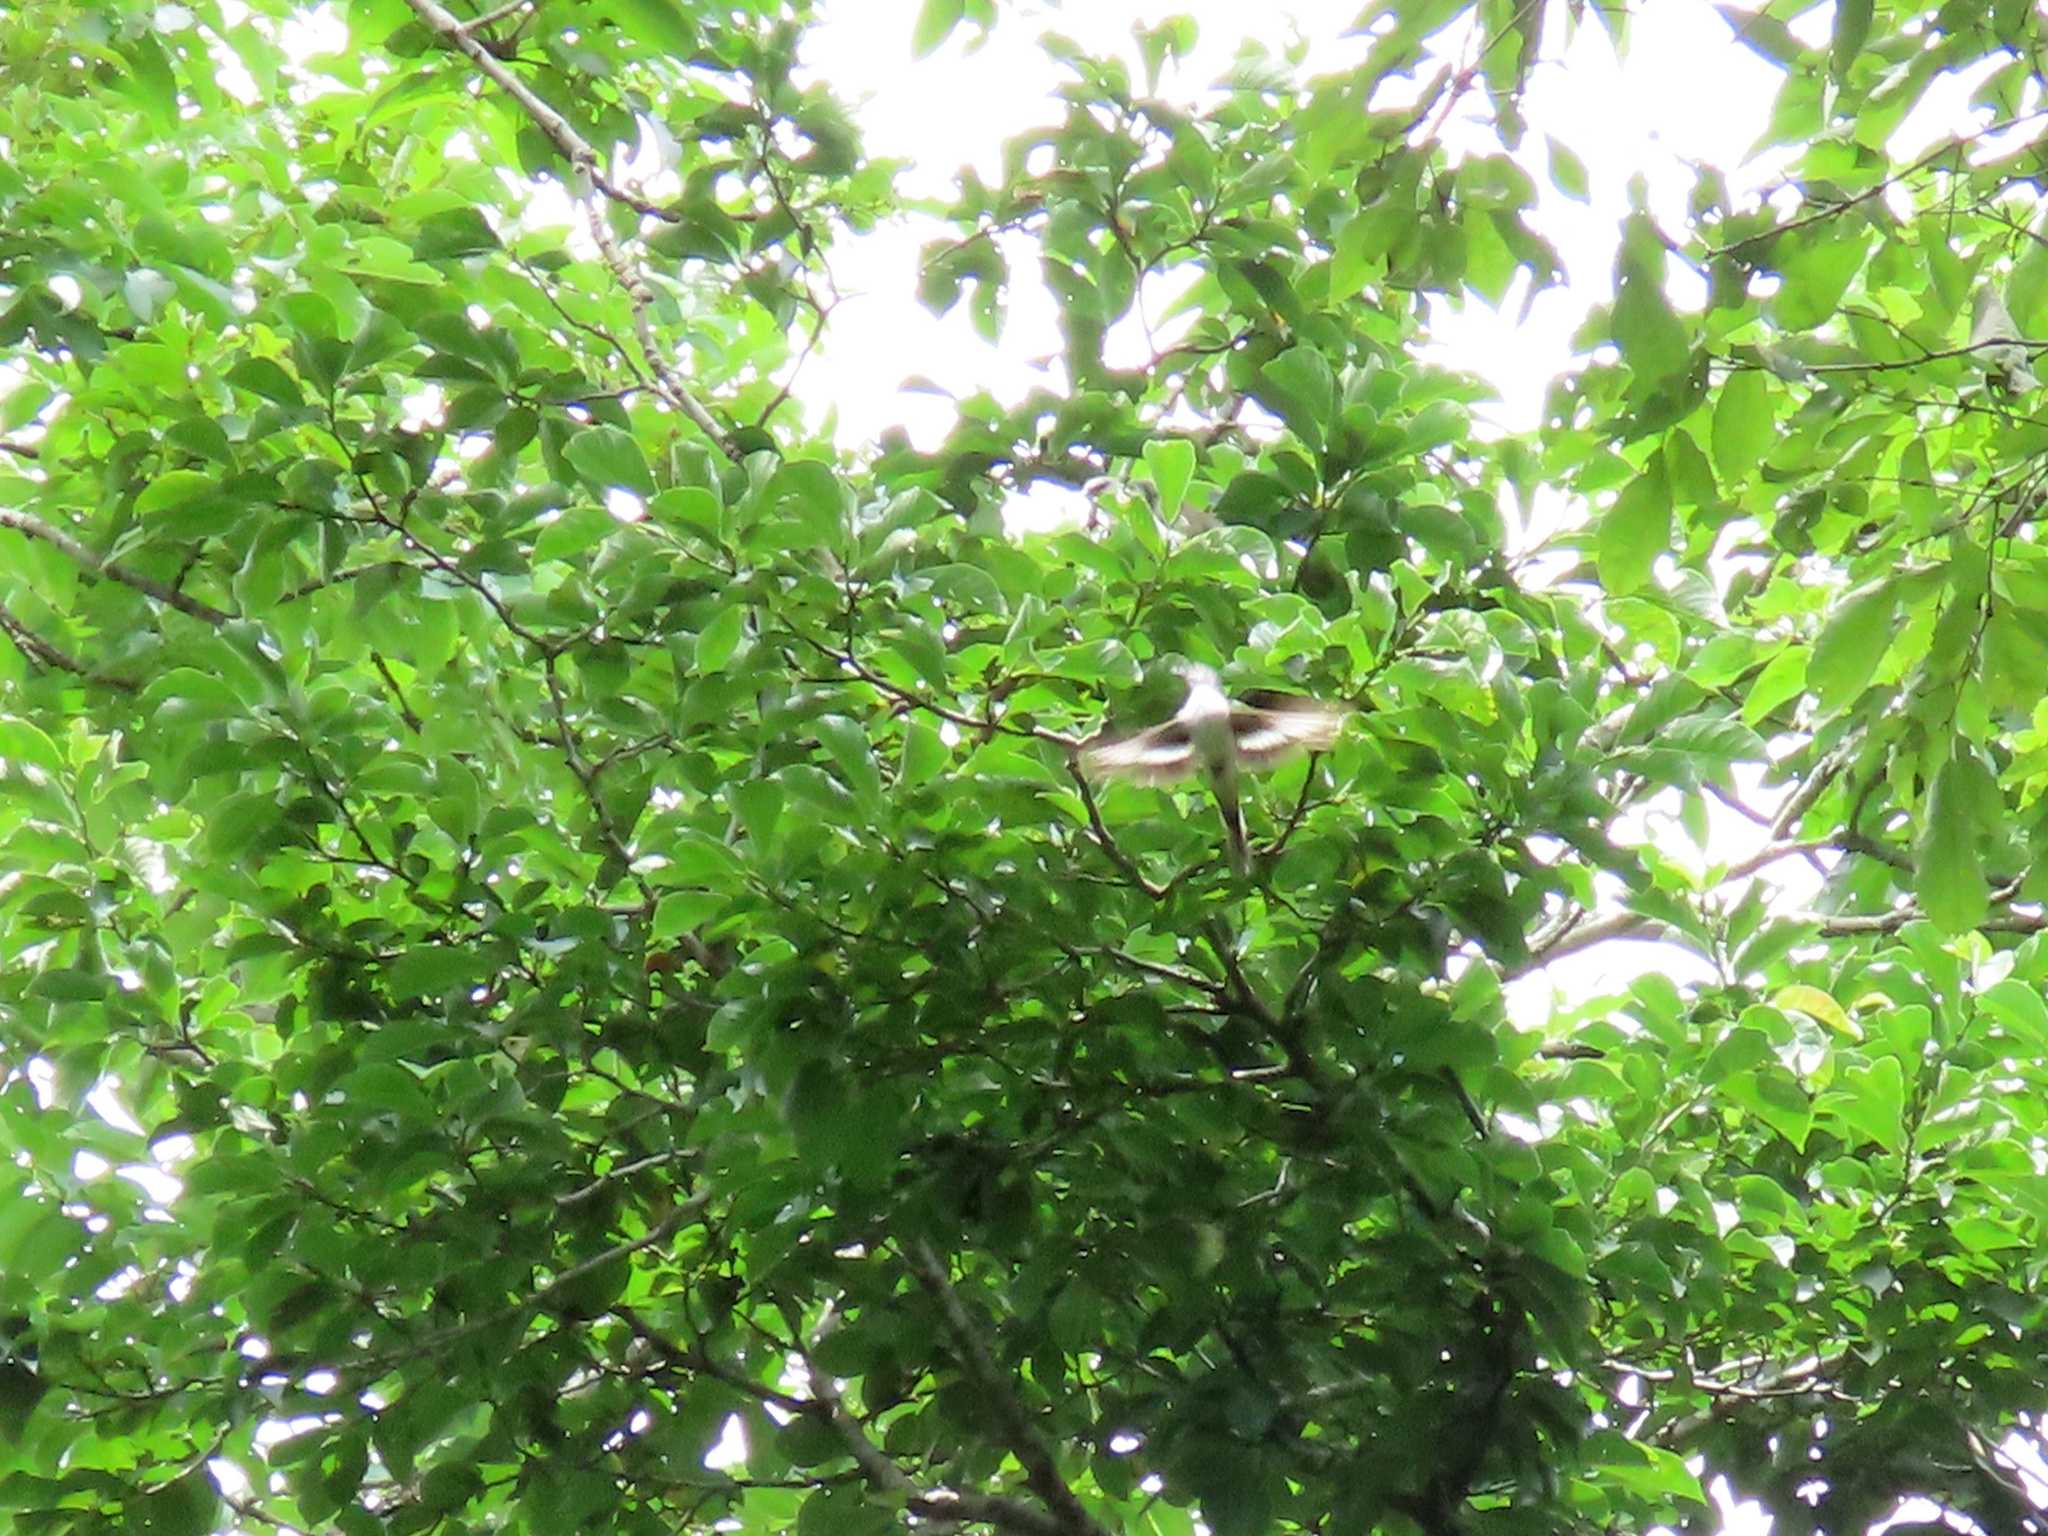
574, 147
588, 169
943, 1507
405, 711
1108, 844
478, 23
1876, 189
623, 1171
640, 298
36, 648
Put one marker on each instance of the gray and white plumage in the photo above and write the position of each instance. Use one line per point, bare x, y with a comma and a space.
1216, 737
1994, 324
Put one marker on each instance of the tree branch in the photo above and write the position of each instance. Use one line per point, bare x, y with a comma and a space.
585, 162
36, 648
574, 147
940, 1505
1041, 1472
1108, 844
28, 523
1941, 151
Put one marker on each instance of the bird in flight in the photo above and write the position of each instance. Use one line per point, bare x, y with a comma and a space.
1217, 737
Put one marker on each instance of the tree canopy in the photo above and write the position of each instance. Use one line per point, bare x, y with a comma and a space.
561, 974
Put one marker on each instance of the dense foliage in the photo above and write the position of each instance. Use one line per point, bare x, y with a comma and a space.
587, 887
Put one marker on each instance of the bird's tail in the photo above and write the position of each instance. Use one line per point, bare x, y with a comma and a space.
1233, 828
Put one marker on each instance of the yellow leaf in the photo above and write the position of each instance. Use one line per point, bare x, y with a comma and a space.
1816, 1004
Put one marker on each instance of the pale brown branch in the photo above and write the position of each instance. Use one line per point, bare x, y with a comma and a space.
1801, 800
587, 168
622, 1171
1105, 842
584, 160
1893, 364
1570, 940
944, 1507
640, 298
576, 149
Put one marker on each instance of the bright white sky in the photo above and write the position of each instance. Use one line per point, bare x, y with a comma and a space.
1686, 93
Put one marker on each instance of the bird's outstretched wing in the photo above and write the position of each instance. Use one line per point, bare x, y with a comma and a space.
1158, 756
1268, 735
1265, 736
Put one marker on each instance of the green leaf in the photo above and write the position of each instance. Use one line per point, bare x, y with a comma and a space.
1872, 1099
936, 20
156, 87
1783, 678
1172, 462
1763, 33
1815, 271
238, 823
1852, 30
21, 742
1987, 1234
1818, 1005
759, 802
663, 25
452, 233
924, 755
2020, 1008
1567, 170
1635, 530
607, 457
1775, 1098
853, 755
572, 531
1846, 655
812, 497
1744, 424
260, 376
1654, 342
184, 1506
433, 971
695, 859
1303, 392
174, 488
1948, 876
717, 641
693, 507
71, 986
680, 912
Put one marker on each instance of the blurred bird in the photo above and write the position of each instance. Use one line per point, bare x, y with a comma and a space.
1217, 737
1993, 323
